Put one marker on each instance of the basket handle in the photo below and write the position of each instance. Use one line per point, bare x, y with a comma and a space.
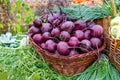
114, 7
115, 13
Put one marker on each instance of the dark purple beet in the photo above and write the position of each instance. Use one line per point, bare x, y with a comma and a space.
85, 45
79, 34
67, 26
73, 42
46, 36
97, 31
42, 45
50, 18
80, 24
56, 22
33, 30
37, 38
96, 42
63, 48
87, 34
46, 27
50, 46
37, 23
73, 53
64, 36
55, 32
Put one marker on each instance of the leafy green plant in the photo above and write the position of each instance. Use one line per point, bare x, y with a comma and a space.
100, 70
7, 40
26, 64
108, 7
23, 15
84, 12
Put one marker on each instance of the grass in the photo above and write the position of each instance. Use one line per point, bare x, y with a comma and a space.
25, 64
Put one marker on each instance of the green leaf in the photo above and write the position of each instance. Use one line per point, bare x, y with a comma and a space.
35, 77
18, 15
1, 25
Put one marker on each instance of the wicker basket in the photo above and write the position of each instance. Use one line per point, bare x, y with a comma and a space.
115, 52
66, 64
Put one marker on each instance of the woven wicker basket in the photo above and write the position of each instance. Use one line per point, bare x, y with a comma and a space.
115, 53
66, 64
74, 64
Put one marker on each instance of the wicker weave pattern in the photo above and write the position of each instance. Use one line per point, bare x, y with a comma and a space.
66, 64
115, 53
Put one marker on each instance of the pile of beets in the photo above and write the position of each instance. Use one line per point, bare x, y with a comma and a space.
58, 35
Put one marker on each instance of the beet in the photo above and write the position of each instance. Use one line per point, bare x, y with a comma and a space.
42, 45
80, 24
79, 34
56, 22
46, 36
51, 46
50, 18
73, 53
97, 31
55, 32
87, 34
63, 48
33, 30
96, 42
46, 27
37, 23
64, 36
37, 38
67, 26
73, 41
85, 45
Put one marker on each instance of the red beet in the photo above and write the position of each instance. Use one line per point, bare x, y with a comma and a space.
37, 38
42, 45
97, 31
33, 30
79, 34
63, 48
85, 45
80, 24
67, 26
87, 34
46, 27
73, 52
96, 42
64, 36
46, 36
50, 46
55, 32
37, 23
73, 41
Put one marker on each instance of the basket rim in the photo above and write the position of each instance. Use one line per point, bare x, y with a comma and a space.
69, 57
